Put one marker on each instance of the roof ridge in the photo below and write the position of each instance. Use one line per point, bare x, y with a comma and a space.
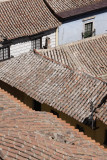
52, 60
51, 10
68, 67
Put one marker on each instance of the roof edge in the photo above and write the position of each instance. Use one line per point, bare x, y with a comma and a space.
52, 60
59, 119
52, 11
67, 67
82, 10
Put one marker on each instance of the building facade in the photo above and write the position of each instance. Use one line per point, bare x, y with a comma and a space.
80, 19
86, 26
23, 29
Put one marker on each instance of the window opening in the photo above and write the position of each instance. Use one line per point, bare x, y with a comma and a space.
4, 53
88, 30
36, 43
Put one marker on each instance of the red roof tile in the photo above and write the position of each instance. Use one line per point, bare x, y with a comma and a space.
28, 134
25, 17
47, 82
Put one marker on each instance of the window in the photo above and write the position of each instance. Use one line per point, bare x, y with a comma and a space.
4, 53
88, 30
36, 43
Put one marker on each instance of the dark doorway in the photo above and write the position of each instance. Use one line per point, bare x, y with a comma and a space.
36, 106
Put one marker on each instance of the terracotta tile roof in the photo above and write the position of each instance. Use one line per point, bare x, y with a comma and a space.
25, 17
28, 134
68, 8
88, 55
50, 83
101, 112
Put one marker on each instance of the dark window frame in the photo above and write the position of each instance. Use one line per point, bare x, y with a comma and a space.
34, 43
88, 30
88, 26
3, 51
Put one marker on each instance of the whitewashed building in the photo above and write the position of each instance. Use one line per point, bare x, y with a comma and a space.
80, 18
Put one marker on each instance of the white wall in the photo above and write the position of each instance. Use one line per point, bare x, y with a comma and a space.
24, 45
71, 30
19, 48
52, 36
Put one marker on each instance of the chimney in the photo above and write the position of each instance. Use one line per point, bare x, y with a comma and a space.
47, 43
